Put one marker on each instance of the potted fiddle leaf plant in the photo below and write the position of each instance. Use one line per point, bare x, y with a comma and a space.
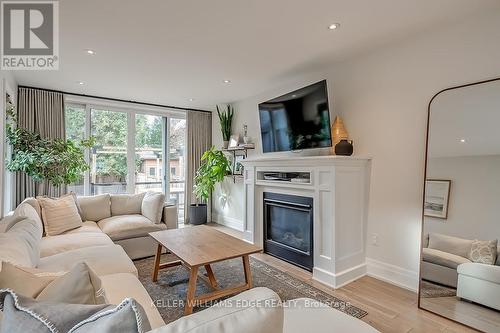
225, 120
214, 166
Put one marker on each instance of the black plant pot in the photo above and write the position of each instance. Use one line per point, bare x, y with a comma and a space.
344, 148
197, 214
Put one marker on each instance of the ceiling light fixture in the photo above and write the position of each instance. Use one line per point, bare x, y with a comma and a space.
227, 81
334, 26
191, 99
81, 83
89, 51
462, 140
293, 96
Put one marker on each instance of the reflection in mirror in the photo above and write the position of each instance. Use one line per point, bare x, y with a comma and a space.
460, 268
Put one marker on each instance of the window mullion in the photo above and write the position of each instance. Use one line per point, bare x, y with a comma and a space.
131, 152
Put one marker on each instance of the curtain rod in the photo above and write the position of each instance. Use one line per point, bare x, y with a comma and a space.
113, 99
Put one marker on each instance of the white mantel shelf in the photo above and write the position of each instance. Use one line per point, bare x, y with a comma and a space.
339, 186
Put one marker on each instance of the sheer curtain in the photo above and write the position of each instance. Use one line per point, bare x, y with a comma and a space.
199, 140
40, 111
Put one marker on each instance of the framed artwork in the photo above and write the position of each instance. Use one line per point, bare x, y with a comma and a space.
437, 197
238, 167
234, 141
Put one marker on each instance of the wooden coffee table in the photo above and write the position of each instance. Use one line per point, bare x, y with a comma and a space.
201, 246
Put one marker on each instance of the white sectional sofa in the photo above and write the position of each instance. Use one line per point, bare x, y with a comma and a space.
115, 217
479, 283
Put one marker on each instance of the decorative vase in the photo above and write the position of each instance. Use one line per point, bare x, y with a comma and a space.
344, 148
338, 131
225, 144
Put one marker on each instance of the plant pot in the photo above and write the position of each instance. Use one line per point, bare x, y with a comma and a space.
225, 144
197, 214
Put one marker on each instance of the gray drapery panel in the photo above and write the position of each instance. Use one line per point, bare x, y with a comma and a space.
40, 111
199, 140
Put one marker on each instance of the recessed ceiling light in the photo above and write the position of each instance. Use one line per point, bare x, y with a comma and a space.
81, 83
89, 51
191, 99
227, 81
462, 140
334, 26
293, 96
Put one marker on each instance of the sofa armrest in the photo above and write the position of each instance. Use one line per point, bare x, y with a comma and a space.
170, 215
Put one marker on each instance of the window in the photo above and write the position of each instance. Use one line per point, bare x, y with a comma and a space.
131, 150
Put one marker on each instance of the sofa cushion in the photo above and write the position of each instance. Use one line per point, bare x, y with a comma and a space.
454, 245
126, 204
96, 207
480, 271
24, 281
152, 206
60, 214
8, 221
483, 252
51, 245
122, 285
87, 226
33, 203
302, 314
443, 258
23, 314
103, 260
20, 245
25, 209
128, 226
255, 310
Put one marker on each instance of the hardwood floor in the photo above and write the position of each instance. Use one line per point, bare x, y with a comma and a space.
390, 308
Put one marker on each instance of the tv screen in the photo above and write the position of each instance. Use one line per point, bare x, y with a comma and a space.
297, 120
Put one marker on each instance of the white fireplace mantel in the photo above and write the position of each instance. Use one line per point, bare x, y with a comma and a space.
339, 187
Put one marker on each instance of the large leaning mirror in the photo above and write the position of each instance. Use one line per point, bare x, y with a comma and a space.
460, 263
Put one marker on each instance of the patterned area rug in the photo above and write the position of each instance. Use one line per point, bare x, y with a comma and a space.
169, 292
432, 290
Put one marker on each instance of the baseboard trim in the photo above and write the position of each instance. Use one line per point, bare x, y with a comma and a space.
392, 274
340, 279
229, 222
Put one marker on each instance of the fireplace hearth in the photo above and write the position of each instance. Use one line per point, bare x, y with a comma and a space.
288, 228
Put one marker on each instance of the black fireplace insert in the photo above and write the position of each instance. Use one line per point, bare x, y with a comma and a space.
288, 228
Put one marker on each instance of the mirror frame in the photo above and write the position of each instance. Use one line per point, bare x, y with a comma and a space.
423, 194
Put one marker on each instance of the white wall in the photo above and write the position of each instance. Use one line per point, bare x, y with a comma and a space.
7, 84
473, 208
383, 97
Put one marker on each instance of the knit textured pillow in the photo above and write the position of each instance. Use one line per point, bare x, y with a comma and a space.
484, 252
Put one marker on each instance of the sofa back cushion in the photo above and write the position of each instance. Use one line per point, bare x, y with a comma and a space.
20, 245
454, 245
256, 310
152, 206
26, 210
59, 214
95, 208
126, 204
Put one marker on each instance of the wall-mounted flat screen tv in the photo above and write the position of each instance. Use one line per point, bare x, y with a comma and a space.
295, 121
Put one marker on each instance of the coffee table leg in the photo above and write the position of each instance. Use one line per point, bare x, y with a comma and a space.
157, 263
211, 276
193, 276
248, 272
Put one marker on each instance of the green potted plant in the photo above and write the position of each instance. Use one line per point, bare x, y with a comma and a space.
225, 120
214, 166
59, 161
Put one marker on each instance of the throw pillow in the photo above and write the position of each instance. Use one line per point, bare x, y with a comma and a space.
152, 206
126, 204
24, 314
484, 252
78, 286
96, 207
59, 215
20, 245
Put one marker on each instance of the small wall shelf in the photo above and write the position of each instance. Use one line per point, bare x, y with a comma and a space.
237, 152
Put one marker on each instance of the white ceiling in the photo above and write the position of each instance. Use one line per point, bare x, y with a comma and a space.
166, 51
471, 114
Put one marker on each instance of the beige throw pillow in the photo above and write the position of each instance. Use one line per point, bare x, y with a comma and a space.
484, 252
59, 215
78, 286
152, 206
